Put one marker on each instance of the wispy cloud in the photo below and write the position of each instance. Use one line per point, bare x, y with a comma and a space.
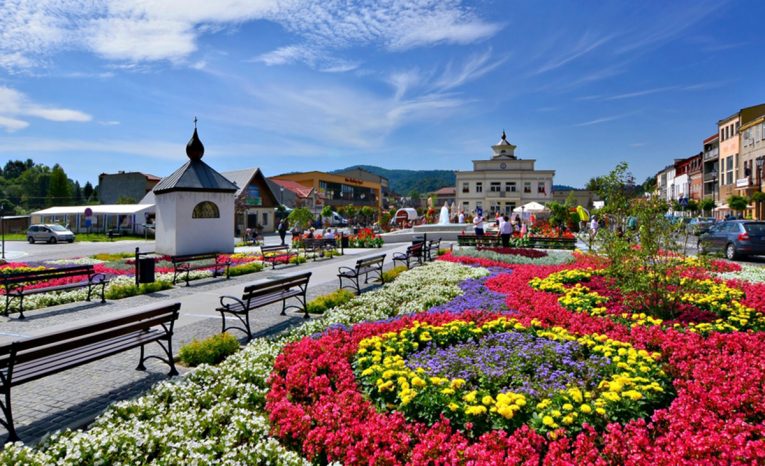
311, 56
598, 121
169, 30
476, 66
586, 44
15, 105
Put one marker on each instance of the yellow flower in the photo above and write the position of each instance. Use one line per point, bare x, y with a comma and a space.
586, 409
548, 421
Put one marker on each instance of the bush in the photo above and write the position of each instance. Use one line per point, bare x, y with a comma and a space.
125, 291
112, 257
297, 259
328, 301
244, 269
211, 350
390, 275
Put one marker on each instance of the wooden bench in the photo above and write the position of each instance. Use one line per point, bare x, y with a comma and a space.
262, 293
113, 233
364, 266
277, 253
26, 360
413, 255
317, 247
431, 251
16, 283
184, 264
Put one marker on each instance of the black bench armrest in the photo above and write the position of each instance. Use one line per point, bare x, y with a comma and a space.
227, 305
343, 269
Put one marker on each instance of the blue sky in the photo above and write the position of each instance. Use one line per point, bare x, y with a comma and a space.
302, 85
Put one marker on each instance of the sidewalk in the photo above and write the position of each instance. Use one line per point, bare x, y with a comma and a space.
75, 397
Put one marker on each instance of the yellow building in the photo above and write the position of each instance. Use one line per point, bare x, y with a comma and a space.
338, 190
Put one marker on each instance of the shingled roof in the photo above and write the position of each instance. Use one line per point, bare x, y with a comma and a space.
195, 175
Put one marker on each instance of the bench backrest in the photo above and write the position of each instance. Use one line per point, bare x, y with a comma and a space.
367, 261
194, 257
58, 342
275, 248
274, 285
12, 278
415, 249
311, 242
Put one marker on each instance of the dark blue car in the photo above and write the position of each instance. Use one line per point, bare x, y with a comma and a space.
734, 238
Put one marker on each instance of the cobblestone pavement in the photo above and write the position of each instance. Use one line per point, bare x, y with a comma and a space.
73, 398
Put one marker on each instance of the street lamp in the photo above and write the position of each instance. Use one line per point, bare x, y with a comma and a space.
2, 226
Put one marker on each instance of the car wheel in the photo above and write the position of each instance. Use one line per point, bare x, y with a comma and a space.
71, 241
53, 240
31, 240
730, 251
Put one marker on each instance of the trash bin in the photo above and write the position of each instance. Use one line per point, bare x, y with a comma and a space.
145, 270
344, 241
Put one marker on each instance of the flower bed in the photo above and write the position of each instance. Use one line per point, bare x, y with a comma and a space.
312, 390
517, 241
489, 258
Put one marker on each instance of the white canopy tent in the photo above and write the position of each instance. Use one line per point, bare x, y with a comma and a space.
102, 218
532, 207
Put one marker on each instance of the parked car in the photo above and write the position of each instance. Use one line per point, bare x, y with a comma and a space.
52, 233
734, 238
700, 225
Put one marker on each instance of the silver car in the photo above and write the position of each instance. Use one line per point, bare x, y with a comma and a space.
49, 233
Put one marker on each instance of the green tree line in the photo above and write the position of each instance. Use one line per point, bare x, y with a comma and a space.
26, 186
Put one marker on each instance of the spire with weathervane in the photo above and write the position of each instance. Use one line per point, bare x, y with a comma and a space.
503, 149
195, 149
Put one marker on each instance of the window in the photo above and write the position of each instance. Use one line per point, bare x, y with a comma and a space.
265, 219
479, 187
527, 187
466, 206
465, 187
541, 187
495, 186
510, 186
493, 208
205, 209
478, 205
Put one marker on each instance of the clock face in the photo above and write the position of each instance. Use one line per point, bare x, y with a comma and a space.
503, 165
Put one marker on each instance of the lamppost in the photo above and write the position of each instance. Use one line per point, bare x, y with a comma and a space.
759, 161
2, 226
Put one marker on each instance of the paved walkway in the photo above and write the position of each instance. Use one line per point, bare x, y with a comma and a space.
75, 397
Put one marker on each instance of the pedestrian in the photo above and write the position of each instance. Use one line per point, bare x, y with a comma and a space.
478, 224
517, 222
282, 230
524, 230
593, 226
505, 231
329, 234
310, 232
461, 217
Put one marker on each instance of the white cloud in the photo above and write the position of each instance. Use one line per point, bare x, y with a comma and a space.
475, 67
14, 104
12, 124
144, 30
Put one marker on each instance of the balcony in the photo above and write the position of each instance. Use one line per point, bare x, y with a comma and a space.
711, 155
709, 177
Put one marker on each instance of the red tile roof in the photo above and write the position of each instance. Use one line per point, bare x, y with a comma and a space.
449, 190
294, 186
711, 138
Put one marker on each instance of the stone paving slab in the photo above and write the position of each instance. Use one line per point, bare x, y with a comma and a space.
73, 398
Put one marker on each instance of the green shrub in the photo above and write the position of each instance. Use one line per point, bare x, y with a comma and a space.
112, 257
390, 275
243, 269
297, 259
328, 301
211, 350
125, 291
442, 251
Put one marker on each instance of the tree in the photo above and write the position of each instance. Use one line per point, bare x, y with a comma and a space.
758, 198
125, 200
558, 214
300, 217
616, 189
77, 193
58, 189
738, 203
87, 191
649, 185
367, 214
706, 205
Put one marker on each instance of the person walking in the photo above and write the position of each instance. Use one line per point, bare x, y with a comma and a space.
282, 230
505, 231
461, 217
478, 224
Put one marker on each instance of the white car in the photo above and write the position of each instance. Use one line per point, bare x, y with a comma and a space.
52, 233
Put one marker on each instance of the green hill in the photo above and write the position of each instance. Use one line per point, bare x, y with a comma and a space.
404, 181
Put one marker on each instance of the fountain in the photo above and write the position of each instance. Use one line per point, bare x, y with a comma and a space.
443, 219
